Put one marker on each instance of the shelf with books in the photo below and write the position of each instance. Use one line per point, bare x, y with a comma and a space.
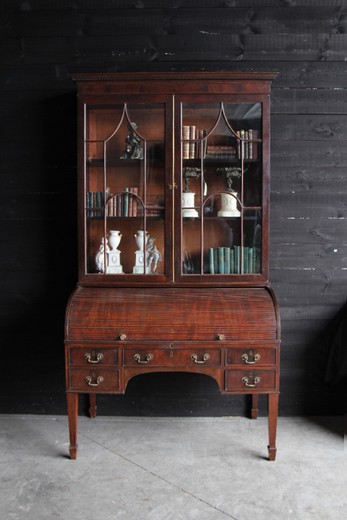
234, 260
241, 144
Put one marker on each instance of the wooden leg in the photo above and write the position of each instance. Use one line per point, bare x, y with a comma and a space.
72, 410
272, 422
92, 405
254, 406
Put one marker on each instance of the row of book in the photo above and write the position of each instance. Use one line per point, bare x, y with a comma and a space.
195, 145
121, 205
234, 260
250, 145
125, 204
95, 203
193, 142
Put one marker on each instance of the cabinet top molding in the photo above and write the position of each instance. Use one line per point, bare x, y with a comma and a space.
175, 76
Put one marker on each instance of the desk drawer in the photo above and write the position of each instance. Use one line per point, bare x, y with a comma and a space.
93, 356
250, 356
250, 380
100, 380
172, 357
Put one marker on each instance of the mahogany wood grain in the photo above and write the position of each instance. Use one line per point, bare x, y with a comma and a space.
119, 327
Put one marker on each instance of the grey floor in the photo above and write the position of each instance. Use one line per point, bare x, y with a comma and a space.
172, 468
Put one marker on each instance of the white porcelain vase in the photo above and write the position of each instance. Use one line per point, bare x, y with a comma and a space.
141, 239
114, 239
229, 205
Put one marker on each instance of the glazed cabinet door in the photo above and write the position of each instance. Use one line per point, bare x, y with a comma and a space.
125, 169
222, 177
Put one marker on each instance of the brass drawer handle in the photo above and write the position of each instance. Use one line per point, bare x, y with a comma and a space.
256, 381
89, 380
205, 357
144, 361
97, 357
250, 358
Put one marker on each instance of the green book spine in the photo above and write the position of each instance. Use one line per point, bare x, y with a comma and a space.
89, 204
221, 260
211, 258
245, 260
126, 203
98, 198
232, 261
237, 259
251, 259
215, 256
227, 260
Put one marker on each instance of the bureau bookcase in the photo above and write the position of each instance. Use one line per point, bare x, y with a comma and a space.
173, 212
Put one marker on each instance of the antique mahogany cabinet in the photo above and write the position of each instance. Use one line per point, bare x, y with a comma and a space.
173, 176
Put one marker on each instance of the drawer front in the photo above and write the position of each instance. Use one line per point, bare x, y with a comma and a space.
93, 356
172, 357
250, 380
100, 380
251, 356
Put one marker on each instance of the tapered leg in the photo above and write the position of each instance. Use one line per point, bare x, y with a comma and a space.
92, 405
72, 410
272, 422
254, 406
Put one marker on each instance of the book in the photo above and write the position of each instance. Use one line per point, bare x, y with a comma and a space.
221, 260
125, 211
192, 144
237, 259
220, 152
226, 260
211, 260
185, 143
133, 201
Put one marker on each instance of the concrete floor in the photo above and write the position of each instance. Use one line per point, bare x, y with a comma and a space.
172, 469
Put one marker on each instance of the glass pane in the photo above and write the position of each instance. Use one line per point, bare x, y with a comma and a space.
252, 245
221, 187
125, 206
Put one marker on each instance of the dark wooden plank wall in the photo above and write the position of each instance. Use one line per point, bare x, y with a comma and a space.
41, 43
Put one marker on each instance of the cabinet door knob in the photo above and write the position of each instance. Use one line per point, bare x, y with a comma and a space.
205, 357
221, 337
122, 337
144, 361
